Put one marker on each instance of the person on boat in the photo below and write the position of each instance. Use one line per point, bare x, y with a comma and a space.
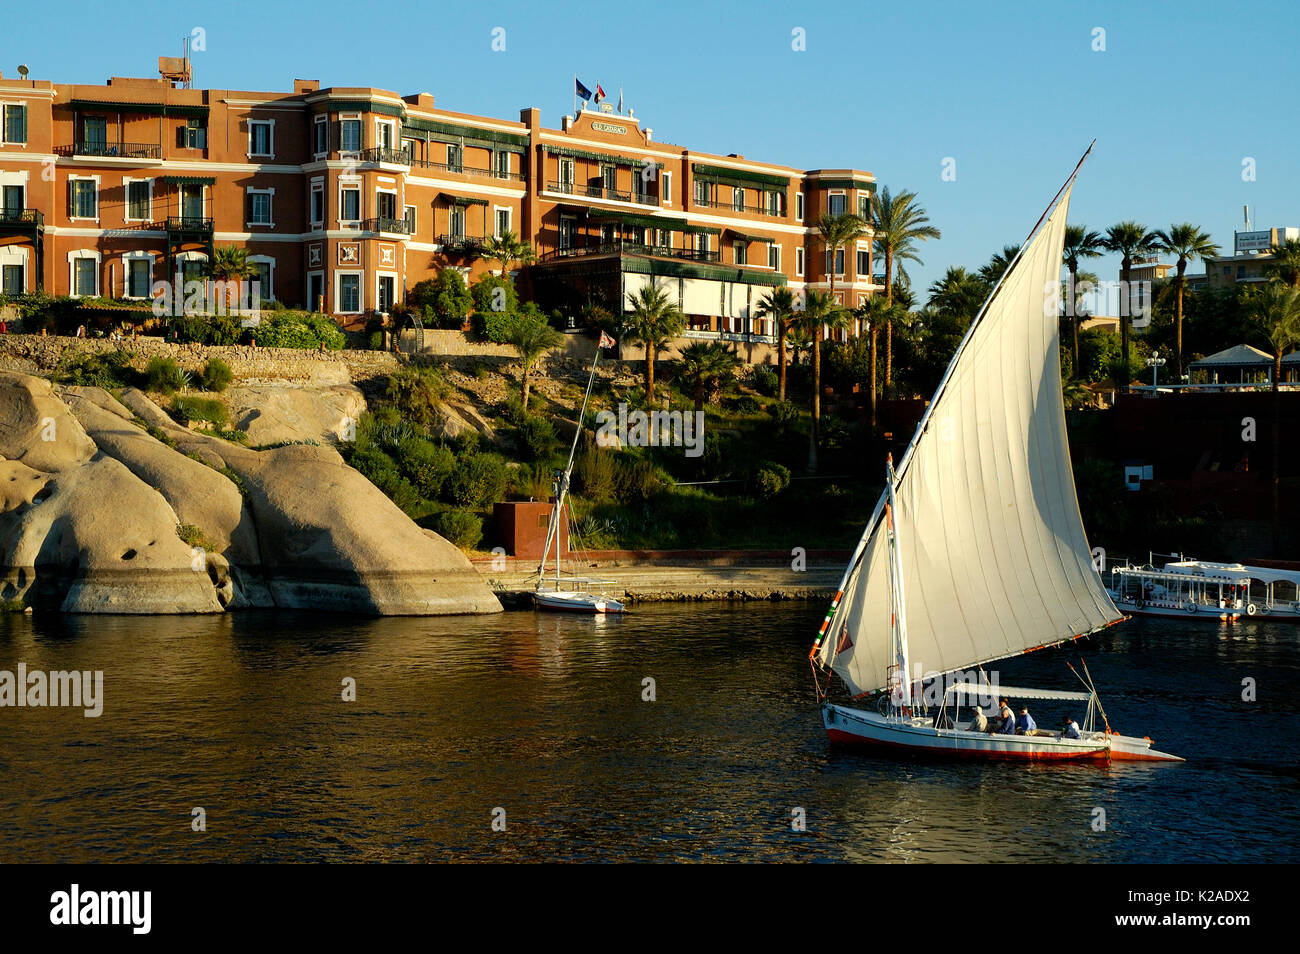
1025, 725
1008, 726
1070, 729
980, 723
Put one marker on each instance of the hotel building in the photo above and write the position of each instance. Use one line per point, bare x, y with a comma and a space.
346, 197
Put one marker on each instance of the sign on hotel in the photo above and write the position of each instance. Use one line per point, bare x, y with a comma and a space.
608, 127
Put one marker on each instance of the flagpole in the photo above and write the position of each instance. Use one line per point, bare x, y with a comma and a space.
575, 95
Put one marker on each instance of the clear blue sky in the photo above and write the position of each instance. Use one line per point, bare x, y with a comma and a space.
1012, 91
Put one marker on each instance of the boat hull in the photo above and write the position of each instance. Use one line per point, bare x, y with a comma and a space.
917, 738
576, 601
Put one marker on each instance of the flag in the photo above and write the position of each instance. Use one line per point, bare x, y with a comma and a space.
580, 89
605, 341
844, 641
600, 93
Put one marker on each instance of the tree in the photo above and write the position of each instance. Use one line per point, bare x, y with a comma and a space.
1286, 262
1277, 308
652, 320
506, 249
230, 264
778, 304
899, 223
1079, 243
532, 337
1186, 241
837, 232
443, 299
704, 366
875, 312
958, 294
992, 272
1128, 239
820, 311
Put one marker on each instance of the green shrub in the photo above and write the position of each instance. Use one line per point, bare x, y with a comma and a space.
478, 481
636, 479
784, 413
109, 370
460, 527
234, 435
593, 471
209, 330
381, 470
164, 376
745, 404
194, 536
539, 436
375, 341
216, 375
426, 465
417, 391
186, 409
495, 303
443, 301
771, 479
766, 381
297, 329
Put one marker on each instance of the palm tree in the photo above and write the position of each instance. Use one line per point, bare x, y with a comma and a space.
778, 304
1186, 241
820, 311
959, 294
652, 320
876, 311
1286, 262
837, 232
506, 249
1277, 308
1128, 239
703, 368
230, 264
1079, 243
992, 272
899, 223
532, 338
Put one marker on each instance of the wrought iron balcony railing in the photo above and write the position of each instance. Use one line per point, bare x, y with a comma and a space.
188, 223
460, 169
461, 243
397, 157
112, 150
730, 206
26, 218
382, 224
632, 248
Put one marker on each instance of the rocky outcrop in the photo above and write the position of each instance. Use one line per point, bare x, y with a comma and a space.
279, 415
91, 524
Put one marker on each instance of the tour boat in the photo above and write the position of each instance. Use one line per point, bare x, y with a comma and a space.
976, 550
571, 593
1202, 590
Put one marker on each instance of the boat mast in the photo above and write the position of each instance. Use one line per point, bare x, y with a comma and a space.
562, 481
902, 688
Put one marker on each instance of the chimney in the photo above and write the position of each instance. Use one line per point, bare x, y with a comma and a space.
423, 100
306, 86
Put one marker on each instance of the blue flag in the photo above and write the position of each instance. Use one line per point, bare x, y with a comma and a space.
580, 89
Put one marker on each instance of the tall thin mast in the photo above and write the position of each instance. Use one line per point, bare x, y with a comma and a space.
898, 611
562, 488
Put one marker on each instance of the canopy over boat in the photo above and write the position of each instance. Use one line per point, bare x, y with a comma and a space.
1237, 572
993, 549
1014, 692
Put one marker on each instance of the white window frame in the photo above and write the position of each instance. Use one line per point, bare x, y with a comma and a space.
496, 164
860, 248
249, 192
842, 194
320, 121
384, 190
394, 134
265, 294
5, 106
15, 255
73, 199
317, 187
799, 261
311, 305
496, 220
82, 254
137, 256
568, 184
361, 131
740, 252
361, 292
414, 217
799, 206
397, 287
345, 185
666, 188
270, 138
127, 182
774, 247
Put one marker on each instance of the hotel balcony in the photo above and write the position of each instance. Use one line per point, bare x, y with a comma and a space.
189, 225
601, 192
460, 169
463, 244
738, 209
385, 156
631, 248
21, 220
128, 151
398, 227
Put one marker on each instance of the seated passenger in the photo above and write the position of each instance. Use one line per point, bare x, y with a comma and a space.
980, 723
1025, 725
1008, 726
1070, 729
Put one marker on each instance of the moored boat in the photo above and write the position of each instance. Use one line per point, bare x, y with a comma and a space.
1204, 590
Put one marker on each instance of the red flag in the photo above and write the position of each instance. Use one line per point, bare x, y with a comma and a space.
845, 642
600, 93
605, 341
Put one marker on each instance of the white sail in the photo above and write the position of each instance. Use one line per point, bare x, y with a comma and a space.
995, 557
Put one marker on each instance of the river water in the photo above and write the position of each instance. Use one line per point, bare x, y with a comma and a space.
539, 722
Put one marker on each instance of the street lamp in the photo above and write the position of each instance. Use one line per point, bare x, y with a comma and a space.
1155, 363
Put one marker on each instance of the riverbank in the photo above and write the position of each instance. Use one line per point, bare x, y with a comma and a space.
682, 584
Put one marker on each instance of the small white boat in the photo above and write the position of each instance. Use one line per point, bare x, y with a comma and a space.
1203, 590
570, 593
981, 522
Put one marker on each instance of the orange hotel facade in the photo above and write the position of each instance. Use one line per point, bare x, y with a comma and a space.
346, 197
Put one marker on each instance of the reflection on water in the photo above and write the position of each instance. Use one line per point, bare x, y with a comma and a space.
542, 715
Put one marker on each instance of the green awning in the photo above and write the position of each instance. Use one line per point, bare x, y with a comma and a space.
362, 106
463, 199
189, 180
862, 184
701, 230
607, 157
460, 134
729, 176
646, 265
746, 237
137, 109
641, 221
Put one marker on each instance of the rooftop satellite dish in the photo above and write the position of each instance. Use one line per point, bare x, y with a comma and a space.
23, 71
